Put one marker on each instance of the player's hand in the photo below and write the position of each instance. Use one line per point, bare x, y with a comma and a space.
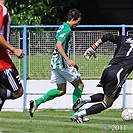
89, 52
70, 63
19, 53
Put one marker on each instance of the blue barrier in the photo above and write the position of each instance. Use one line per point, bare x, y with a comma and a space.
25, 27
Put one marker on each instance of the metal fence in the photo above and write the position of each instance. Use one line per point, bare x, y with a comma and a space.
40, 48
38, 43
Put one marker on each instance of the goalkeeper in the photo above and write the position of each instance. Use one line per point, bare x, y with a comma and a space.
113, 77
63, 68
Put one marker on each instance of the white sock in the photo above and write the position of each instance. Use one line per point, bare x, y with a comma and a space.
81, 113
87, 100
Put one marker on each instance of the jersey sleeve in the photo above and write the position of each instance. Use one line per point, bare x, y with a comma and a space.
110, 37
62, 37
1, 17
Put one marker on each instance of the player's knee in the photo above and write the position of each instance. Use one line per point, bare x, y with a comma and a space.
108, 104
63, 92
18, 93
21, 91
81, 85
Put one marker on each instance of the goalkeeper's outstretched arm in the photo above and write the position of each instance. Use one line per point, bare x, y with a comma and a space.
92, 50
108, 37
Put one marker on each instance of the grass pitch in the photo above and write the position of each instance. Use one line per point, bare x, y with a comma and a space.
57, 121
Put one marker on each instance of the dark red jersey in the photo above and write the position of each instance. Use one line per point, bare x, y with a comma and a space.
5, 60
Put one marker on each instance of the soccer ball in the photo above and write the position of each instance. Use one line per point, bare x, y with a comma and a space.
127, 114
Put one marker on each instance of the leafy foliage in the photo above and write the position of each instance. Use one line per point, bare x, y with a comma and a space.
34, 12
37, 12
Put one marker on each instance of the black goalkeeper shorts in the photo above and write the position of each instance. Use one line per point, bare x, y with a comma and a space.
113, 77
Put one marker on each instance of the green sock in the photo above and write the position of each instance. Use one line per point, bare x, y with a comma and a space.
76, 95
51, 94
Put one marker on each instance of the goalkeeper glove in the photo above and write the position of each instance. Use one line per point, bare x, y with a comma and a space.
91, 51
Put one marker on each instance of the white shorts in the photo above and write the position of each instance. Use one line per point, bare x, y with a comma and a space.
60, 76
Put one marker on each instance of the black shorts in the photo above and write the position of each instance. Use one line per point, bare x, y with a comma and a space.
113, 77
9, 79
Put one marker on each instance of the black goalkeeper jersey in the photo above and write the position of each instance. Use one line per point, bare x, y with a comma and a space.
121, 65
124, 50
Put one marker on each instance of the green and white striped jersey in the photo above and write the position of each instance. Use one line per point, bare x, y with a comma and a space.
63, 34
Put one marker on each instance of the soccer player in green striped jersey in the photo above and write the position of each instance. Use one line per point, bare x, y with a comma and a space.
63, 68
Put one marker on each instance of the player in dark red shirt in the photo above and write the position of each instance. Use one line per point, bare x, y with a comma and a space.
10, 85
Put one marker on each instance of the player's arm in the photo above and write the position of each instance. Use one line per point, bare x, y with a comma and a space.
18, 52
92, 50
62, 53
109, 37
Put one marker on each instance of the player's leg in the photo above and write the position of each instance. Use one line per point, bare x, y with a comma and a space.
4, 93
111, 88
1, 103
15, 82
11, 87
73, 76
94, 109
78, 89
93, 98
2, 96
77, 93
10, 80
97, 108
51, 94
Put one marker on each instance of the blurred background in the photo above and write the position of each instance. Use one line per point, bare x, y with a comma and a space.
31, 12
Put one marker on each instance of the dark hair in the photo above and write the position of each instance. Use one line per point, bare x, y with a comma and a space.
74, 14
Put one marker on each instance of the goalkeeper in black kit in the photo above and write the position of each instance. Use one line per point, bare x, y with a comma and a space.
113, 76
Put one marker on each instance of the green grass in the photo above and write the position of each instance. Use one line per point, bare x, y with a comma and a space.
57, 121
38, 66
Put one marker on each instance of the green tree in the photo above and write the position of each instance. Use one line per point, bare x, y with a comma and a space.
35, 12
